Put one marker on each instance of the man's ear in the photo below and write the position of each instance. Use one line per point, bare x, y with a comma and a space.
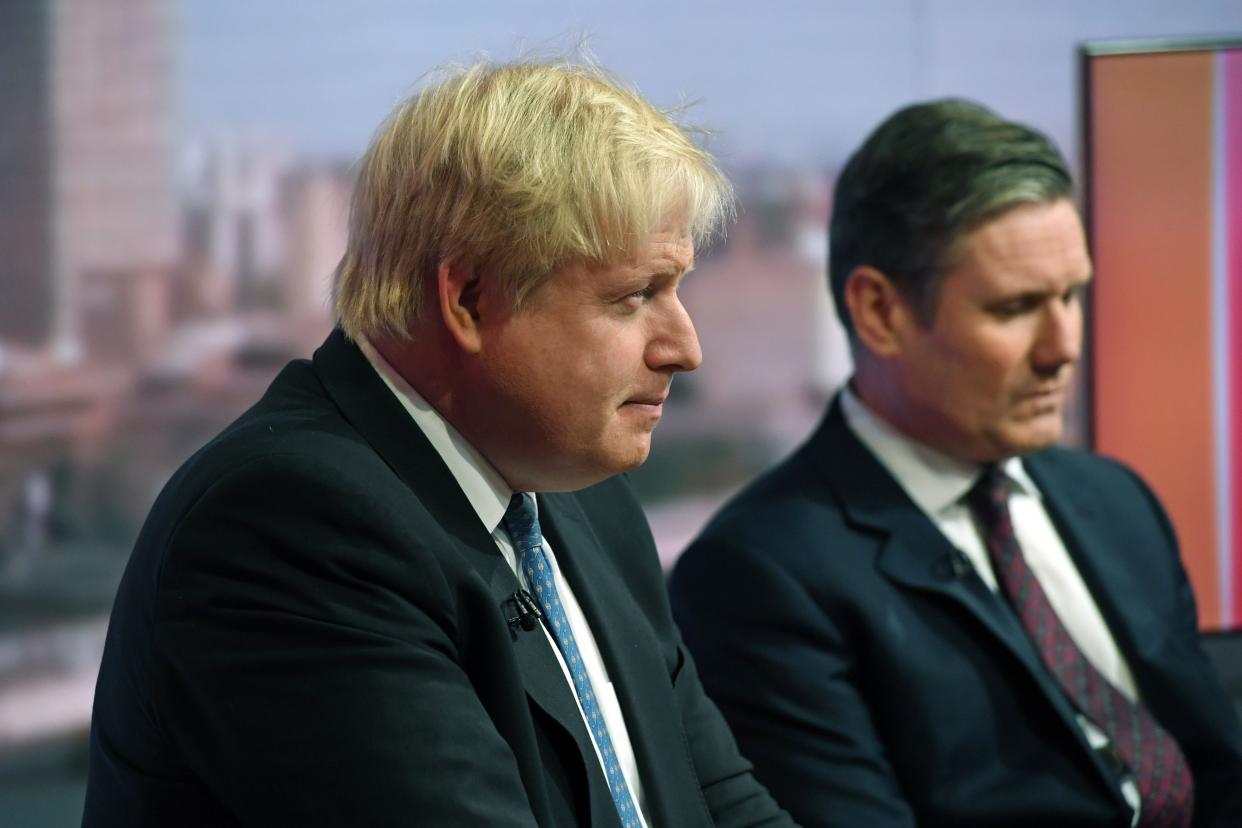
457, 289
877, 309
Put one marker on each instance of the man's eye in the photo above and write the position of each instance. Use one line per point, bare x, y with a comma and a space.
1015, 307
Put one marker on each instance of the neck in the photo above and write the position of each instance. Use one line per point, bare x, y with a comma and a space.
423, 366
875, 392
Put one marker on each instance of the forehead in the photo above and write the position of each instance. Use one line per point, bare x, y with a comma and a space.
659, 252
1030, 243
665, 249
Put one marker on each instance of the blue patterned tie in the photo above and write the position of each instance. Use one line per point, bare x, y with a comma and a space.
523, 528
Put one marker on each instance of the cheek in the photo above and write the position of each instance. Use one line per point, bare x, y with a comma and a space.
608, 366
581, 387
516, 380
526, 389
976, 381
997, 362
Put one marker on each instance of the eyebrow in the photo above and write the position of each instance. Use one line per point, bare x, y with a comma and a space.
669, 272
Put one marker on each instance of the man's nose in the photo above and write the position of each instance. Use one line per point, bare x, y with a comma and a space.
1060, 337
676, 345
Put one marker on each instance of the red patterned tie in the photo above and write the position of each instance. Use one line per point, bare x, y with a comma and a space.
1150, 753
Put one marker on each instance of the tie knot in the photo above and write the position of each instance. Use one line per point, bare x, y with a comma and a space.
521, 521
989, 497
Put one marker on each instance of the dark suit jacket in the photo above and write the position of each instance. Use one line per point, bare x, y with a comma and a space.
309, 632
874, 680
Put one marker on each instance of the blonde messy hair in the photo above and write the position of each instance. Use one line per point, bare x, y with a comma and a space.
518, 169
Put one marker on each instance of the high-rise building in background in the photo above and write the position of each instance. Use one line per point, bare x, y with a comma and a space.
317, 229
234, 235
25, 174
86, 186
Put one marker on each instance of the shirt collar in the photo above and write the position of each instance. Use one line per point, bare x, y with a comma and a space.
479, 481
932, 479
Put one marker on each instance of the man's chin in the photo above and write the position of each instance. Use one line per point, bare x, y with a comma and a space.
611, 462
635, 458
1030, 438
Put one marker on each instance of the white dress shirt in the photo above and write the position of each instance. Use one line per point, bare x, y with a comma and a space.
489, 494
938, 485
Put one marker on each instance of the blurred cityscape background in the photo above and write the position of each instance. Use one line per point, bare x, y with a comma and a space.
174, 185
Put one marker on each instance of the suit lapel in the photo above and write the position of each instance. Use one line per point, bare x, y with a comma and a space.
631, 653
372, 409
542, 676
916, 554
1076, 512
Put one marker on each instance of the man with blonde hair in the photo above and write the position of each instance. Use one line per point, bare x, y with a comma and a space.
407, 587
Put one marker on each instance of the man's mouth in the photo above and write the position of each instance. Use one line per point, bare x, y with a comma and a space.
652, 404
649, 401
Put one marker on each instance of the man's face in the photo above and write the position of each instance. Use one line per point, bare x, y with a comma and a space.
574, 383
988, 378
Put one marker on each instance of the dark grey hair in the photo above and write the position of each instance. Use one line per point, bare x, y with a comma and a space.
924, 179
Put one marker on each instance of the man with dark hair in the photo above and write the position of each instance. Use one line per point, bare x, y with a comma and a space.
929, 614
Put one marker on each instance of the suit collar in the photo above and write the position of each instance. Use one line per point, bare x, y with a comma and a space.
482, 485
934, 481
375, 412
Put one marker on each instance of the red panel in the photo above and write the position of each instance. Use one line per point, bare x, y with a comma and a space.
1152, 188
1231, 83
